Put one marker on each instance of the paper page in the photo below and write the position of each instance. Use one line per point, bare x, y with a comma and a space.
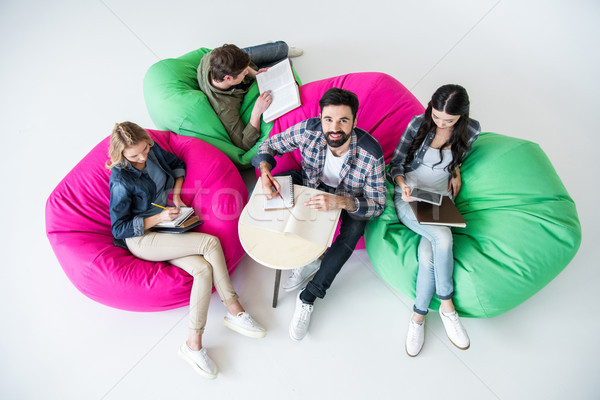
315, 226
277, 76
184, 214
287, 191
256, 216
279, 79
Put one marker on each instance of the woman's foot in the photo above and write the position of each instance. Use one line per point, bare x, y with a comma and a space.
454, 329
243, 323
200, 360
415, 337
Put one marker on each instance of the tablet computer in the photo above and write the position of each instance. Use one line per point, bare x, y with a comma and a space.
426, 196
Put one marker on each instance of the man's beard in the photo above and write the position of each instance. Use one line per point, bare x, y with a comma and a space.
338, 142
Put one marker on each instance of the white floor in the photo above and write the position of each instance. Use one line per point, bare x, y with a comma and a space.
71, 69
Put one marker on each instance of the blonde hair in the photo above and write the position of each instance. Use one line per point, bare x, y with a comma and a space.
125, 134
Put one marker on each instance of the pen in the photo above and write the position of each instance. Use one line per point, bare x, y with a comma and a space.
273, 184
157, 205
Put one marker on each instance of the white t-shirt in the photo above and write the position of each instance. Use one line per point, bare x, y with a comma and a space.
332, 169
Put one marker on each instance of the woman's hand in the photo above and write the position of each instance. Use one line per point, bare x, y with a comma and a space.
406, 190
177, 202
168, 215
177, 193
455, 183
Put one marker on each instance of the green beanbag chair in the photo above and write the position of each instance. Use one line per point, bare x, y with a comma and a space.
175, 103
522, 230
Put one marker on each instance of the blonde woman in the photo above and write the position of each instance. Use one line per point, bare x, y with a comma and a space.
143, 173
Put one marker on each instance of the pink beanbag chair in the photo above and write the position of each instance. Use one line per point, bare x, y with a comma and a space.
385, 109
78, 227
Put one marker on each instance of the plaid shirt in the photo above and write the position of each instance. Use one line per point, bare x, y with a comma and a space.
398, 164
362, 176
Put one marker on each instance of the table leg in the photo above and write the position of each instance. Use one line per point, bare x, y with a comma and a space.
276, 288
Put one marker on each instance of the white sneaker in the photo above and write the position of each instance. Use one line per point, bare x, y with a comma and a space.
300, 320
455, 331
300, 276
200, 360
246, 325
294, 52
415, 338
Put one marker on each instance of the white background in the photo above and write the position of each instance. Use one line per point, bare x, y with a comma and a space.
70, 69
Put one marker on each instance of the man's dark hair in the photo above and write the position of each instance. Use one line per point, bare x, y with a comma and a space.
339, 97
227, 60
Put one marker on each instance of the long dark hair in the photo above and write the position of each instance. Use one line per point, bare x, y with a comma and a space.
453, 100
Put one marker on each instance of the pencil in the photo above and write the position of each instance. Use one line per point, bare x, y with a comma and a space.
158, 205
273, 184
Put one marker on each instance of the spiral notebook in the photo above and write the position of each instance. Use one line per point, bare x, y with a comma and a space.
287, 195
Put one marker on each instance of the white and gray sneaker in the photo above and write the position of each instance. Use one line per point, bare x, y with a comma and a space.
300, 276
246, 325
300, 320
455, 331
200, 360
294, 52
415, 338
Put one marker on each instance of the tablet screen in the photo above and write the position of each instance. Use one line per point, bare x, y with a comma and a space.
426, 196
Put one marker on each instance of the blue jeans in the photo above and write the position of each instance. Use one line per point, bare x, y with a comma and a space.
436, 261
340, 251
268, 54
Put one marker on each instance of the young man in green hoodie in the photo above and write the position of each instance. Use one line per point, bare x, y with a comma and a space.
226, 73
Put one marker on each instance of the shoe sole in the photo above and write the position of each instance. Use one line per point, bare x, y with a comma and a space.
241, 331
457, 346
292, 335
199, 370
410, 355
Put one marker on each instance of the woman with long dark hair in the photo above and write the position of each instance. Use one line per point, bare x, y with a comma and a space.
429, 156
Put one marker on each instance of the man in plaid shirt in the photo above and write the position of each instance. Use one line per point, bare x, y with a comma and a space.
342, 160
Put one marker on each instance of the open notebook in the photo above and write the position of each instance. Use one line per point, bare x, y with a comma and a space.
184, 214
315, 226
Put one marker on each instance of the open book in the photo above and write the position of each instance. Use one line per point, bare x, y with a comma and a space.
184, 214
444, 214
279, 79
315, 226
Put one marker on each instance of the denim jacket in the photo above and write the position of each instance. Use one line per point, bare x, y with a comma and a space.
398, 164
132, 191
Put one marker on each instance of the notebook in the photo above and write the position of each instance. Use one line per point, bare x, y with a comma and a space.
184, 214
444, 214
287, 195
187, 225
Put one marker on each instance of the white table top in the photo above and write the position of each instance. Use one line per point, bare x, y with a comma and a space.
274, 249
